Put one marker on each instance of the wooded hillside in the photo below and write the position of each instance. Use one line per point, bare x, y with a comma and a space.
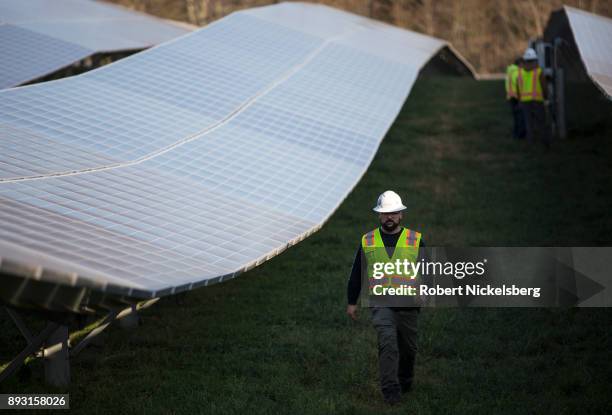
487, 33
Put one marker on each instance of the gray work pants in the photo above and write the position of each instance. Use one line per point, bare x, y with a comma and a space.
397, 347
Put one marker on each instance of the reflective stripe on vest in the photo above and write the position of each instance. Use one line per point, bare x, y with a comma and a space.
529, 85
369, 238
411, 237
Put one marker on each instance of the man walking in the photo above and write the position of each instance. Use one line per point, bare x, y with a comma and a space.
531, 89
395, 321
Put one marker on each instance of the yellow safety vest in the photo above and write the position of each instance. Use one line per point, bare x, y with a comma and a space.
529, 85
511, 81
375, 252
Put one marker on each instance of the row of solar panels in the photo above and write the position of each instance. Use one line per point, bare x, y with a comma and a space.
193, 161
592, 36
196, 160
38, 37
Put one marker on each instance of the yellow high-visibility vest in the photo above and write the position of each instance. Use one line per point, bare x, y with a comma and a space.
529, 85
375, 252
511, 81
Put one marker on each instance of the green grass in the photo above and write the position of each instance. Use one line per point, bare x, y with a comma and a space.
276, 339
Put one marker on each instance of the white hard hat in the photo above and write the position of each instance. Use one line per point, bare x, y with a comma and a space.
389, 202
530, 55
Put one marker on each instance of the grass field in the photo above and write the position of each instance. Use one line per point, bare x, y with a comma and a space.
276, 340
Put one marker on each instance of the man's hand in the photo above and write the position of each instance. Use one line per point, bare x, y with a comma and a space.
351, 310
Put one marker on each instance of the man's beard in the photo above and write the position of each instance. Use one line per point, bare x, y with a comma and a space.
390, 226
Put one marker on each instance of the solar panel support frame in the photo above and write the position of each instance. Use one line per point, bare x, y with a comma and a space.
53, 342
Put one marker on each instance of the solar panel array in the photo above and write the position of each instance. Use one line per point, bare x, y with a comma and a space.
593, 36
198, 159
38, 37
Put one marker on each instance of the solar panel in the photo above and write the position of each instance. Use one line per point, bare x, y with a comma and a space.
26, 55
135, 32
196, 160
593, 36
38, 37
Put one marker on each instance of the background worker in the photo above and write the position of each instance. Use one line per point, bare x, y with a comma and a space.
396, 327
518, 121
531, 88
